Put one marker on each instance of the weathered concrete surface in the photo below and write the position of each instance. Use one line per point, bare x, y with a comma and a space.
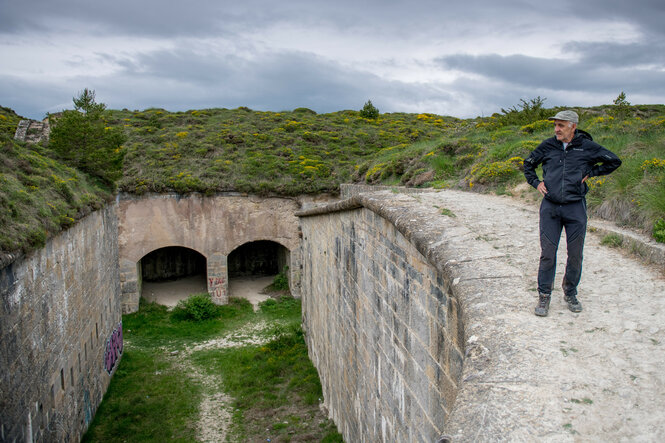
60, 332
593, 376
211, 225
381, 325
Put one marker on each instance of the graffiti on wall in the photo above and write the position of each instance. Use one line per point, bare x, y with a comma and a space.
216, 285
216, 281
113, 349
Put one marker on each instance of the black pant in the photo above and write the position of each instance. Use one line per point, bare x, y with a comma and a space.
554, 217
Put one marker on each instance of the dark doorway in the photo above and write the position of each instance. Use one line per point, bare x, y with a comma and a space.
172, 263
259, 258
172, 274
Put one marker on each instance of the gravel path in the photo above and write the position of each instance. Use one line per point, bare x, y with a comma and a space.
597, 375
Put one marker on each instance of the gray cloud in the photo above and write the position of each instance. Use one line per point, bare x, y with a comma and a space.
180, 80
586, 74
648, 15
256, 72
617, 55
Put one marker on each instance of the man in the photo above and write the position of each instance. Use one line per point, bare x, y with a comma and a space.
569, 159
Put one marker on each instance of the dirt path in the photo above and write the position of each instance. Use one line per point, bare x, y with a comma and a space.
598, 374
214, 409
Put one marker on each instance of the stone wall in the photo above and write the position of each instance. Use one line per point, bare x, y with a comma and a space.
213, 226
383, 326
60, 332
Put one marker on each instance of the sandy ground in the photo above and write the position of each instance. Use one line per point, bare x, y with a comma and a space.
170, 292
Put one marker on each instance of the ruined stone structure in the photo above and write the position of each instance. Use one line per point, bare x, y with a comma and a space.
33, 131
213, 226
60, 332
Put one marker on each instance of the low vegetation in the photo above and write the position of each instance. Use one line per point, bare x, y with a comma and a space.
39, 195
259, 359
300, 151
286, 153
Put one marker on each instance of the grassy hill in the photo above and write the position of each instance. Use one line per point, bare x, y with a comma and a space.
39, 195
296, 152
299, 151
286, 153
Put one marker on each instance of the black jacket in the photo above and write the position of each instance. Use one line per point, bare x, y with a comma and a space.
563, 171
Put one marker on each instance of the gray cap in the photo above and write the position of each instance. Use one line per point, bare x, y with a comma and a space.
569, 116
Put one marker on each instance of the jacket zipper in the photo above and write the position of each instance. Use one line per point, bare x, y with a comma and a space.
563, 175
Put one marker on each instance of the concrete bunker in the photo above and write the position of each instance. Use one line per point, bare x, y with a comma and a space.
172, 273
215, 227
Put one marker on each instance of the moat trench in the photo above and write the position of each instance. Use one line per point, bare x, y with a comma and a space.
215, 409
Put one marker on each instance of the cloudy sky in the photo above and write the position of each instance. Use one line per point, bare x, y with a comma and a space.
461, 58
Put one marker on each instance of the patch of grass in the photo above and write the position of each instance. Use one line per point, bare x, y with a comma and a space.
659, 230
585, 401
153, 325
447, 212
270, 383
569, 427
148, 400
612, 240
280, 283
40, 196
275, 386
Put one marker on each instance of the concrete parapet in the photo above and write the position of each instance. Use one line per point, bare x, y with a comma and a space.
407, 335
384, 284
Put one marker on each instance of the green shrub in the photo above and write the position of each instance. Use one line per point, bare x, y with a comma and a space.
283, 306
197, 307
369, 110
525, 113
659, 230
537, 126
496, 172
82, 139
281, 281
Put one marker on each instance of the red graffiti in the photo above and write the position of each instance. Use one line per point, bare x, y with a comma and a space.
113, 349
216, 281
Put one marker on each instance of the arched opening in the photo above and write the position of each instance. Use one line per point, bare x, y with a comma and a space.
253, 266
171, 274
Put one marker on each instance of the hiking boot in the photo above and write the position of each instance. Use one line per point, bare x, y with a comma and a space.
543, 305
573, 304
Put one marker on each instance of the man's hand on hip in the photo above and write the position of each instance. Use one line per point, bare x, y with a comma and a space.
542, 189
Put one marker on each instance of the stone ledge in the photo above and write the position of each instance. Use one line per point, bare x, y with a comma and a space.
479, 281
638, 244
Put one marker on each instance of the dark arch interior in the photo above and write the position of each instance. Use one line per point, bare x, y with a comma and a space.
172, 263
258, 258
